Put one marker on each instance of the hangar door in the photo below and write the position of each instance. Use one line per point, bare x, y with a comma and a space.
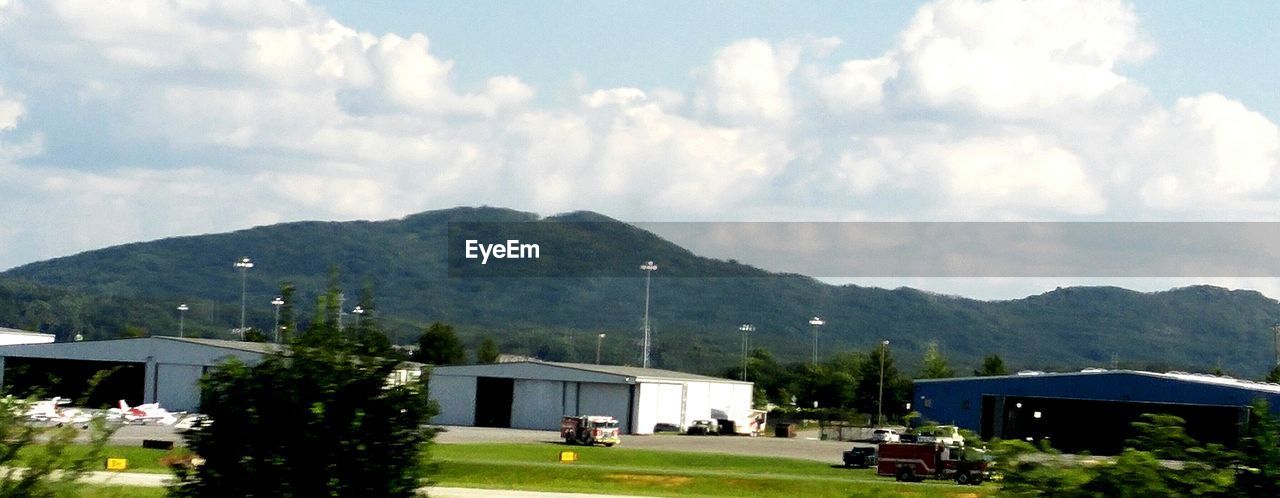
493, 401
660, 406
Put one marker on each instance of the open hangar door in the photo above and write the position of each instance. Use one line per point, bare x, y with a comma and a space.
92, 384
1101, 427
494, 397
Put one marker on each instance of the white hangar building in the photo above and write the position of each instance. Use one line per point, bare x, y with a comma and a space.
536, 394
166, 370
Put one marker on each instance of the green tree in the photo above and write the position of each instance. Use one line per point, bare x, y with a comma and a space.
439, 345
488, 351
317, 420
991, 366
935, 366
1260, 455
896, 389
1274, 375
38, 460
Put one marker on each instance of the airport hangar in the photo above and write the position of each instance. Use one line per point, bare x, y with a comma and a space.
159, 369
1091, 410
536, 394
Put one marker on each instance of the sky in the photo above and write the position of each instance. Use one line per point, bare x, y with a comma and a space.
130, 121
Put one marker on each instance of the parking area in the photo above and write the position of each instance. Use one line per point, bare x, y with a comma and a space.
804, 446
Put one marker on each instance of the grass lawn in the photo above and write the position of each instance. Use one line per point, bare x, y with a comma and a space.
103, 491
140, 459
626, 471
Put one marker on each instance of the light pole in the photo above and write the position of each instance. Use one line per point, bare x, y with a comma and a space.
648, 268
359, 311
816, 322
182, 319
746, 327
275, 329
884, 346
243, 265
599, 342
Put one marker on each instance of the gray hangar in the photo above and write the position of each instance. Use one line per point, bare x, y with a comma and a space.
536, 394
166, 370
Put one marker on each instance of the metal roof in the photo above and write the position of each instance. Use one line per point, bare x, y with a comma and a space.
252, 347
9, 331
642, 373
601, 373
1217, 380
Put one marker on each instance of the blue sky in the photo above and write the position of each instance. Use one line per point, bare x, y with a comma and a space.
1228, 47
123, 121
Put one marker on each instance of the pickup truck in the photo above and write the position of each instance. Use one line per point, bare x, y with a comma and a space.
860, 457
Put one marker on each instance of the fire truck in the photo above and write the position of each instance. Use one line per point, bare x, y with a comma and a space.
919, 461
589, 430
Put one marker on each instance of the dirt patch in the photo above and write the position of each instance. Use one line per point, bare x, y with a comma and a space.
652, 480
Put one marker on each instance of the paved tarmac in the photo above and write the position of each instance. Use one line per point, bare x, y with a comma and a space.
804, 446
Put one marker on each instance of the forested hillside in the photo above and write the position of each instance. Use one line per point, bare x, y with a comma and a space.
697, 303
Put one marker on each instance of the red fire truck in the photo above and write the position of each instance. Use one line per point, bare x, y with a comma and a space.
589, 430
918, 461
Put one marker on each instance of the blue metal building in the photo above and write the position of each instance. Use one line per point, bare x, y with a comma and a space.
1091, 410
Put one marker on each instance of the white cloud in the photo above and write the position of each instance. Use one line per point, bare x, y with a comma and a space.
749, 81
1018, 58
1206, 149
858, 85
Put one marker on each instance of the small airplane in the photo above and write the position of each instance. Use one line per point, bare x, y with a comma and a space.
50, 410
141, 414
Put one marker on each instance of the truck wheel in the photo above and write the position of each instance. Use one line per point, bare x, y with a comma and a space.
963, 478
976, 481
608, 445
904, 475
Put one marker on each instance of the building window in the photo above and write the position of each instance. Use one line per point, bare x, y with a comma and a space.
964, 405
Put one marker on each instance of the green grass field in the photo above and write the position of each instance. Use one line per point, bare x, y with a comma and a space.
626, 471
620, 470
140, 459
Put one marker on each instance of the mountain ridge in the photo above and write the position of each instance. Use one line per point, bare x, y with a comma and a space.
405, 263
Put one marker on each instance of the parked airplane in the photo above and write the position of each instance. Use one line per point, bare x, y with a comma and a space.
50, 410
144, 413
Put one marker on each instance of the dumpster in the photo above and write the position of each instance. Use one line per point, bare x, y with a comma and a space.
784, 430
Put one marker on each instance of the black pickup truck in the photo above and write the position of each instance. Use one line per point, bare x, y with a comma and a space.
860, 456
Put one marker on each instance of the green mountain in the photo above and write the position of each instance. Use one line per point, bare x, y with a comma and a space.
697, 303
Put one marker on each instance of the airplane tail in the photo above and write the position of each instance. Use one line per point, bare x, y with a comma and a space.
124, 406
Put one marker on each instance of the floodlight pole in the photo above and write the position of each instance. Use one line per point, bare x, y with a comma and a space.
243, 265
599, 343
277, 302
884, 346
816, 322
648, 268
745, 328
182, 319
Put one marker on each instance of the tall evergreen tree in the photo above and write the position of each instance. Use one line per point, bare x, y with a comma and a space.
439, 345
877, 372
488, 351
991, 366
935, 366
